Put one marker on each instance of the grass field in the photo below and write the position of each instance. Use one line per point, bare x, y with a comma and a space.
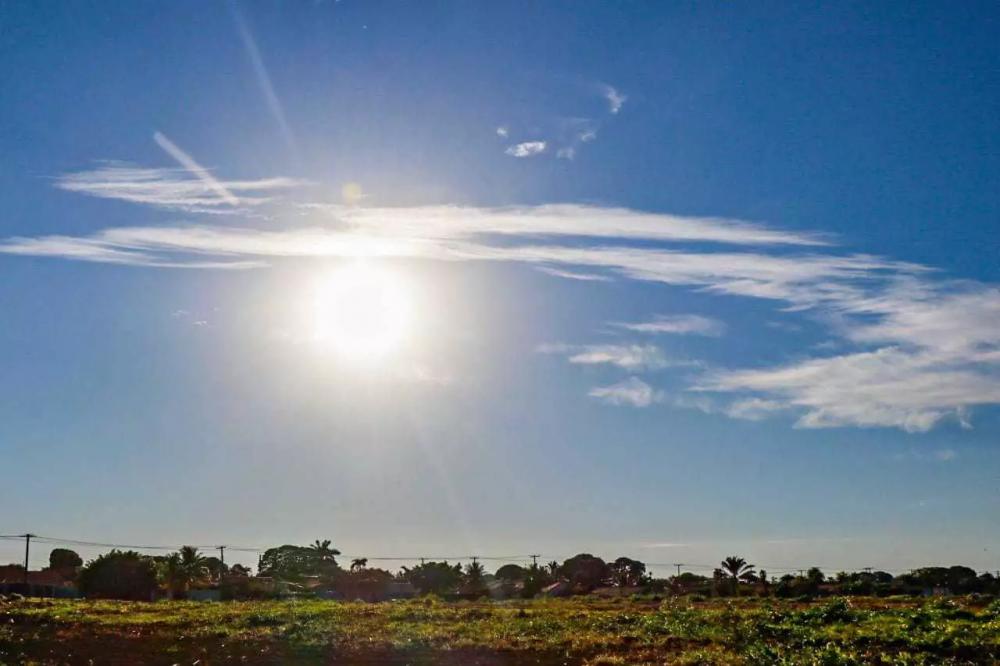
574, 631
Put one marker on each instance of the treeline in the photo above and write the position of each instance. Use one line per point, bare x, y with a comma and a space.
314, 569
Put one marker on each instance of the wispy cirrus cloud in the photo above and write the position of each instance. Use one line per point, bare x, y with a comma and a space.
527, 149
908, 389
173, 188
937, 455
616, 99
632, 392
686, 324
754, 409
629, 357
197, 170
917, 348
452, 222
574, 275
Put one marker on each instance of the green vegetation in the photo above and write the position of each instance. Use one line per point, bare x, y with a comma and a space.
584, 611
582, 630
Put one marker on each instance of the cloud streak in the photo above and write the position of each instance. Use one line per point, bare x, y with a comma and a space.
919, 349
196, 169
628, 357
173, 188
263, 78
632, 392
676, 325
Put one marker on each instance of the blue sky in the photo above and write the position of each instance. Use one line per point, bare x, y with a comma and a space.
685, 281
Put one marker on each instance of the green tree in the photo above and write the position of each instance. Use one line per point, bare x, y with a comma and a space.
193, 564
511, 573
239, 570
536, 578
324, 553
170, 573
359, 563
434, 577
215, 567
63, 558
474, 580
119, 575
738, 569
627, 572
294, 563
178, 571
585, 572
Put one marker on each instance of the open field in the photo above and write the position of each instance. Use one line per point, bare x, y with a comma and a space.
574, 631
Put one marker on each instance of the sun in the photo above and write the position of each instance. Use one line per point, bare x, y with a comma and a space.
362, 311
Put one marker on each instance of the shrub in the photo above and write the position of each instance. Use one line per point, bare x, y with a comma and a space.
119, 575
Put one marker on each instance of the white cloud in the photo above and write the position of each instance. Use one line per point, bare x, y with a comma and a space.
571, 134
754, 409
448, 232
918, 348
894, 387
677, 325
173, 188
632, 392
441, 222
196, 170
503, 132
526, 149
615, 99
573, 275
936, 455
629, 357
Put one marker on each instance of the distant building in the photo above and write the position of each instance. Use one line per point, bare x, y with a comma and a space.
44, 583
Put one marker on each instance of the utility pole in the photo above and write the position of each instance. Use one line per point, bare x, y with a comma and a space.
222, 554
678, 568
27, 548
534, 561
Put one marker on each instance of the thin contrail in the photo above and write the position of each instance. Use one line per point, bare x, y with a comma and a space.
263, 78
201, 172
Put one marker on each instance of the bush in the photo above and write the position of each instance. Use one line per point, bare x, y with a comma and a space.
119, 575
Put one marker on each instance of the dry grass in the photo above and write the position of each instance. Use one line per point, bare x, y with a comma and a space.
575, 631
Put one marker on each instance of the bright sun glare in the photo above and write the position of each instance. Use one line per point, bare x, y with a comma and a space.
362, 311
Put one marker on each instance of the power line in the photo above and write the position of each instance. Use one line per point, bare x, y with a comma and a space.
51, 540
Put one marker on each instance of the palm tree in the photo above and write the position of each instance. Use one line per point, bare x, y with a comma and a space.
553, 567
178, 570
323, 551
359, 563
192, 564
737, 568
170, 573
